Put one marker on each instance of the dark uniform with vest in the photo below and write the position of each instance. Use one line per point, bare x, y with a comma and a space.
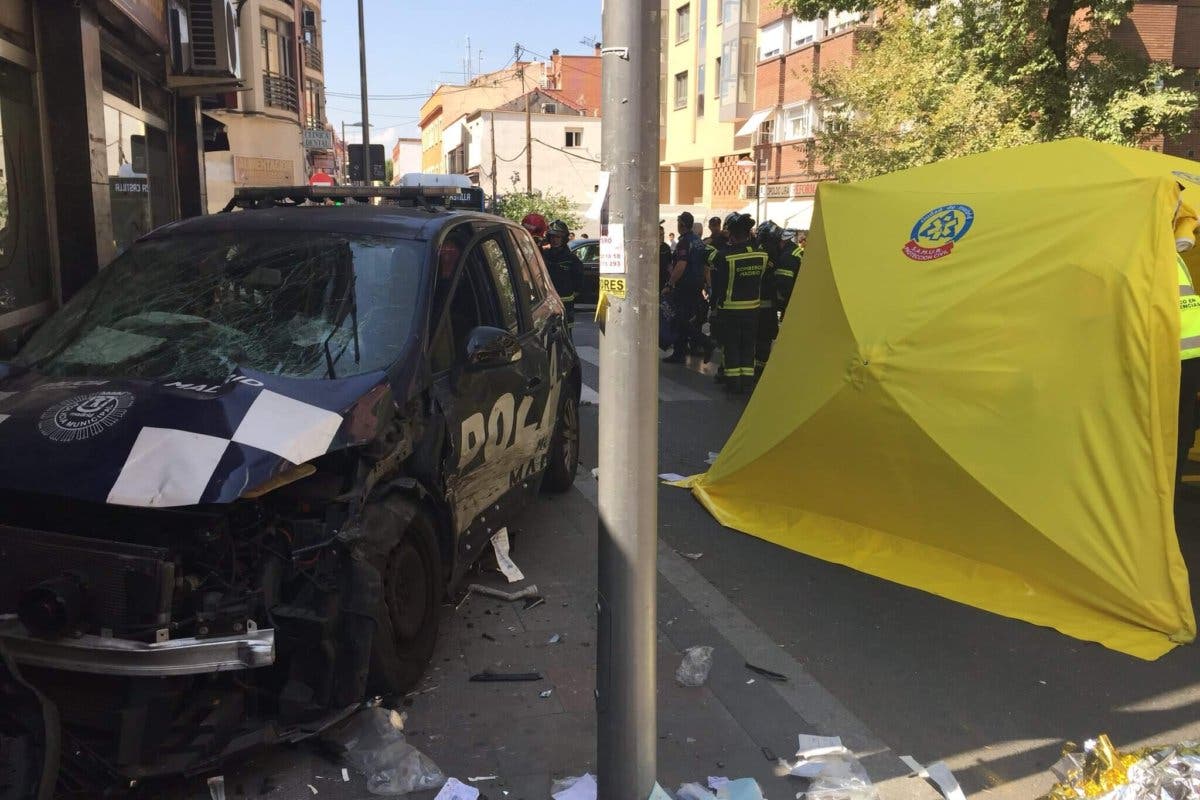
770, 242
737, 291
566, 270
787, 266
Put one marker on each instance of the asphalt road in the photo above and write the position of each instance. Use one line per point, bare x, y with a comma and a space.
993, 697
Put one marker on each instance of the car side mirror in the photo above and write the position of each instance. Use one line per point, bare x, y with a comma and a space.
491, 347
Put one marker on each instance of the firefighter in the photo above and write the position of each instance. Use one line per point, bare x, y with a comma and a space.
770, 242
791, 254
566, 270
737, 287
536, 225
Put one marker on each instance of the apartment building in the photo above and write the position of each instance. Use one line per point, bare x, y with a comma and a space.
278, 132
781, 172
707, 92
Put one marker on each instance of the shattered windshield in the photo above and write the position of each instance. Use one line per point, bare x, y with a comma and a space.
295, 304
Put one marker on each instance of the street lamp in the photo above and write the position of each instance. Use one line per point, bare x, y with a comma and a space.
346, 152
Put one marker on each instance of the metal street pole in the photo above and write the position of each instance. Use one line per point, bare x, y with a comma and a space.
345, 155
362, 70
628, 492
758, 191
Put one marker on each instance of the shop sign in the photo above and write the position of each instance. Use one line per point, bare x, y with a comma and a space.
149, 15
249, 171
318, 139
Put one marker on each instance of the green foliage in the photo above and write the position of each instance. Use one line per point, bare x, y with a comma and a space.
550, 205
979, 74
915, 100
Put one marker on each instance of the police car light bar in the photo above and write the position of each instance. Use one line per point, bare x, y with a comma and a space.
431, 197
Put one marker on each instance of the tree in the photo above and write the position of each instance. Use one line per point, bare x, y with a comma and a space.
910, 98
1058, 58
550, 205
389, 172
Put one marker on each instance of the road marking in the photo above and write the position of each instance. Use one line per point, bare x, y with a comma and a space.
669, 391
808, 698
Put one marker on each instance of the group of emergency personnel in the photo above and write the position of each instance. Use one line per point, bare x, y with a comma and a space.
740, 280
565, 268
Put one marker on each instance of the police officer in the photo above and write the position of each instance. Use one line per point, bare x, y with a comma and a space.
770, 242
737, 288
787, 266
566, 270
684, 289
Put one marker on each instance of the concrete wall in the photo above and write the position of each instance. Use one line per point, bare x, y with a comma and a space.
573, 172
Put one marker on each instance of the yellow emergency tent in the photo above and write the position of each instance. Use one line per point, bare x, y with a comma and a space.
974, 391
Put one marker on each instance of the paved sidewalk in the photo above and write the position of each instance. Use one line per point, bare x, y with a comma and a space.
735, 725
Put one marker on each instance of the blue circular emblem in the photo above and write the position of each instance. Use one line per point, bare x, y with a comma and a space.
936, 232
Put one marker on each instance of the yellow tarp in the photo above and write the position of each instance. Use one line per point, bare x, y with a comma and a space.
975, 390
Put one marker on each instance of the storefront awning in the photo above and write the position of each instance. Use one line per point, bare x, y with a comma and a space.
756, 119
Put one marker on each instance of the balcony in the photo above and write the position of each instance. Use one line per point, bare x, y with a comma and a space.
313, 58
279, 91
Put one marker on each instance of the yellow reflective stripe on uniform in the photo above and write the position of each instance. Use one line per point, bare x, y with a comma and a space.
786, 273
740, 305
798, 252
567, 298
1189, 313
732, 260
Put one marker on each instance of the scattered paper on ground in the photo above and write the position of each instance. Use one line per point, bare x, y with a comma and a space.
454, 789
671, 477
503, 559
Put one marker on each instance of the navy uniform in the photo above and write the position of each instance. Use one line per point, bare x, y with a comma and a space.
786, 270
737, 292
768, 320
566, 270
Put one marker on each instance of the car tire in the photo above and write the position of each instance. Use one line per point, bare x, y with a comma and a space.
564, 448
410, 604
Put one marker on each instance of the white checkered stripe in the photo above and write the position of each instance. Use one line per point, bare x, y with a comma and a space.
169, 467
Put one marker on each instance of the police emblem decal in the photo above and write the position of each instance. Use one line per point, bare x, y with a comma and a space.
84, 416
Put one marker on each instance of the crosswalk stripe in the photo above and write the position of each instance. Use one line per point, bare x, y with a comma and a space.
669, 391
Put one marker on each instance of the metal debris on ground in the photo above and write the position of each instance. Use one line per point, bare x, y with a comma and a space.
216, 787
503, 560
582, 787
546, 694
555, 639
1099, 770
940, 774
767, 673
500, 594
693, 670
769, 754
313, 789
372, 742
489, 637
479, 778
487, 676
533, 602
833, 771
454, 789
690, 556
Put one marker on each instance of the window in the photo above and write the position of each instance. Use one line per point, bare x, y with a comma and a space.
728, 71
717, 78
702, 26
804, 31
838, 21
465, 315
700, 91
746, 67
549, 108
574, 137
683, 23
530, 264
681, 89
729, 11
588, 253
766, 132
798, 122
497, 263
771, 38
314, 104
24, 240
277, 46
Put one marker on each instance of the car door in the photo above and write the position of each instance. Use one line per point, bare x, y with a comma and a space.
493, 414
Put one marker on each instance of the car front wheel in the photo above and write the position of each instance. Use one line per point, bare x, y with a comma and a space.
564, 448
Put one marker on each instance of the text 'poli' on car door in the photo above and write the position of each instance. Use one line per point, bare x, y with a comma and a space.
495, 390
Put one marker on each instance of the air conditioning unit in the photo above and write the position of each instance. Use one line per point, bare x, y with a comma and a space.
212, 28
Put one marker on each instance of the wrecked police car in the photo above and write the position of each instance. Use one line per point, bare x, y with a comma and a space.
240, 468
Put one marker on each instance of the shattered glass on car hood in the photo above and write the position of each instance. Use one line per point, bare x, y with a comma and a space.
195, 368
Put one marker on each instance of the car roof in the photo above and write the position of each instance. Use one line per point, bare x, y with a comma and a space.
352, 218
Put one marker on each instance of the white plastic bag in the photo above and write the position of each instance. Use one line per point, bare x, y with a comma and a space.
693, 670
841, 777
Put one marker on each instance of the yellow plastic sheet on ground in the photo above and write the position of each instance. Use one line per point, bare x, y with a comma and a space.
974, 392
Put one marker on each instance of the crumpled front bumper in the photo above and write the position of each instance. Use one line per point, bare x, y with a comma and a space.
107, 655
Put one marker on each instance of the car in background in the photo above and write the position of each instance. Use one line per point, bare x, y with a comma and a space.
588, 251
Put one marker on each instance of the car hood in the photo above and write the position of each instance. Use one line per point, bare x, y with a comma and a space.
170, 443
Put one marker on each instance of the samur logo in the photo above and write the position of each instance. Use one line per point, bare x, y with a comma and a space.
936, 232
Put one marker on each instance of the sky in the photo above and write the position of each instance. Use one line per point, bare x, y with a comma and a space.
414, 45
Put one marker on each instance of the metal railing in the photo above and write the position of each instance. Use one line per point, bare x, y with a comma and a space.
313, 58
279, 91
